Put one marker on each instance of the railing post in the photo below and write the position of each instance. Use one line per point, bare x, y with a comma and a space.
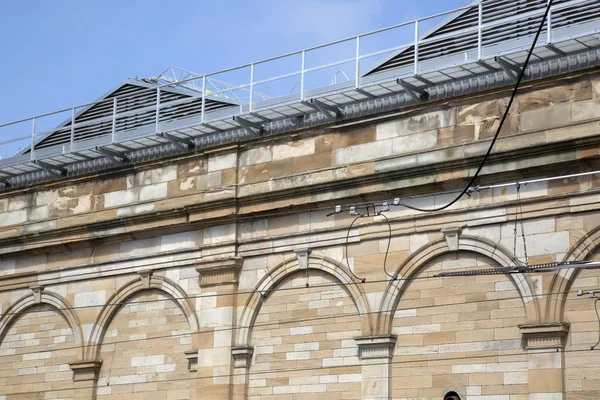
302, 75
31, 153
203, 99
72, 139
480, 33
114, 120
549, 25
416, 46
357, 66
156, 124
251, 87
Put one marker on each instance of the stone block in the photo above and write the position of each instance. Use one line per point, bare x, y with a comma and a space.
418, 123
547, 117
121, 197
363, 152
583, 110
152, 192
415, 142
217, 162
295, 148
256, 155
13, 217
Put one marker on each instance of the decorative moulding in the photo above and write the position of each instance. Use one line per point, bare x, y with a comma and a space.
85, 370
219, 271
380, 346
543, 336
192, 357
242, 356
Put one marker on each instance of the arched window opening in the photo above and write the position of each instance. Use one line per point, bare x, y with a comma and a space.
451, 396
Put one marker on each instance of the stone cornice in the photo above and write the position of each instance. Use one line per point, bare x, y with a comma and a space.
202, 213
219, 271
374, 347
85, 370
543, 336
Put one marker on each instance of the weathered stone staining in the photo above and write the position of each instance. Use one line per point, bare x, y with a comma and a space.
219, 275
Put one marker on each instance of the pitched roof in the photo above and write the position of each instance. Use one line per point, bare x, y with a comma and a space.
132, 94
493, 12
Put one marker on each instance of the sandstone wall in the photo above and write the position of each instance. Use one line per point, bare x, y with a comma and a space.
186, 279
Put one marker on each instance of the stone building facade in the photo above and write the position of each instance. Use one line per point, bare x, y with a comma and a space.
218, 274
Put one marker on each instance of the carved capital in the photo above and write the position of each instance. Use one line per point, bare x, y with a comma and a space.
242, 356
544, 336
451, 235
85, 370
372, 347
219, 271
192, 357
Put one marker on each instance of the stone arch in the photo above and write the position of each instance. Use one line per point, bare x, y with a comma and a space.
421, 257
41, 296
286, 268
146, 282
562, 280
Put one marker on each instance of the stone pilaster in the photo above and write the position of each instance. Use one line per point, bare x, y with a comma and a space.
217, 316
375, 353
545, 345
242, 359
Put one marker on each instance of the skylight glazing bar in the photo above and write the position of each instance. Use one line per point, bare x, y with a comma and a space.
114, 121
549, 25
156, 126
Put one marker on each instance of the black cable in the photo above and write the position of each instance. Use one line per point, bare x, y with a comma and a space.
598, 316
489, 150
387, 250
346, 248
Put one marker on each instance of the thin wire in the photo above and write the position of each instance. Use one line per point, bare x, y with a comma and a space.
327, 318
522, 224
346, 248
331, 368
511, 100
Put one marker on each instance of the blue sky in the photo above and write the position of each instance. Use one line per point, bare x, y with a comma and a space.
56, 54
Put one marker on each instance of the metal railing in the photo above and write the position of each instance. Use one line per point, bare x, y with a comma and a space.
266, 84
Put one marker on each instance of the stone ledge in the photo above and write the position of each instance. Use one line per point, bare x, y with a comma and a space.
543, 336
192, 357
372, 347
242, 356
85, 370
219, 271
